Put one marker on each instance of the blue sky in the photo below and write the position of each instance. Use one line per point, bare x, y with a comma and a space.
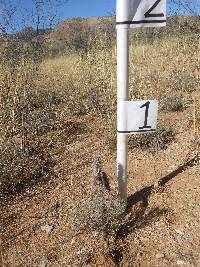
82, 8
73, 8
88, 8
25, 15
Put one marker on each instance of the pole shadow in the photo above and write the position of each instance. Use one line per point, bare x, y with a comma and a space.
144, 193
140, 218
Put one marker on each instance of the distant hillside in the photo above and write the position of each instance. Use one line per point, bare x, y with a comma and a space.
183, 24
80, 34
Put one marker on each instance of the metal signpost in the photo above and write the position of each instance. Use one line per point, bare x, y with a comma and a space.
133, 117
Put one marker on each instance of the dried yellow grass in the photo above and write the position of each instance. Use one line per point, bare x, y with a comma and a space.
166, 67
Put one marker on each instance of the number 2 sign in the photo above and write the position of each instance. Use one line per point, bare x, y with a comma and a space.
137, 116
141, 13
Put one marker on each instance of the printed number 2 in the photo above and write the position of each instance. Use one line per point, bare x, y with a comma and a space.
146, 116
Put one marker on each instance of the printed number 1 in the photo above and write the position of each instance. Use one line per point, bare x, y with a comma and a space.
146, 116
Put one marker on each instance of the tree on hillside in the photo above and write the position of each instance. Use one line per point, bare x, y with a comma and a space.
45, 13
41, 14
7, 12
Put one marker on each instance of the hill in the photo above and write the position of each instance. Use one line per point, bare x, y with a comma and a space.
81, 34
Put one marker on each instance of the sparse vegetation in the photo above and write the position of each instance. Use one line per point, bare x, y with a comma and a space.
27, 113
58, 90
101, 212
172, 103
154, 142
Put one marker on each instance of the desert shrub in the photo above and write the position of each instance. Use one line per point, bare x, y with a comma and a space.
198, 103
154, 141
71, 35
161, 139
101, 211
198, 115
14, 50
172, 103
150, 141
102, 34
19, 168
81, 36
197, 129
25, 115
110, 133
183, 81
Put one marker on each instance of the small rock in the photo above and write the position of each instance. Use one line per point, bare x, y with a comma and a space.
44, 262
180, 262
179, 231
180, 239
160, 256
73, 241
47, 228
156, 185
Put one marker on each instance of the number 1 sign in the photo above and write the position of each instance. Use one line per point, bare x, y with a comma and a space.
137, 116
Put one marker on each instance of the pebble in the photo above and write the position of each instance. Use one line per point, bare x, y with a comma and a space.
180, 262
180, 239
47, 228
44, 262
179, 231
160, 256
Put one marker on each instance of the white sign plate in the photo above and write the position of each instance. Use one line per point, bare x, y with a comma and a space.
141, 13
137, 116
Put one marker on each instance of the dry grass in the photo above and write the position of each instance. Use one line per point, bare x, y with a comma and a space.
37, 100
85, 83
88, 83
26, 115
197, 104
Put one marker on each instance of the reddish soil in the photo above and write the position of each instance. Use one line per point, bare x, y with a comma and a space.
164, 200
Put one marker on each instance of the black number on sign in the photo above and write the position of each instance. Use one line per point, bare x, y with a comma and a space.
146, 116
148, 14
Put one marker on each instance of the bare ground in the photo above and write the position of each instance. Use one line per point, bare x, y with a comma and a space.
163, 203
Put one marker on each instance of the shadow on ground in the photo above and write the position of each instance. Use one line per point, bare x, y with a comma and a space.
143, 194
140, 217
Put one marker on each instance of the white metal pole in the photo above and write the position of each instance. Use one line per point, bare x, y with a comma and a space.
122, 94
